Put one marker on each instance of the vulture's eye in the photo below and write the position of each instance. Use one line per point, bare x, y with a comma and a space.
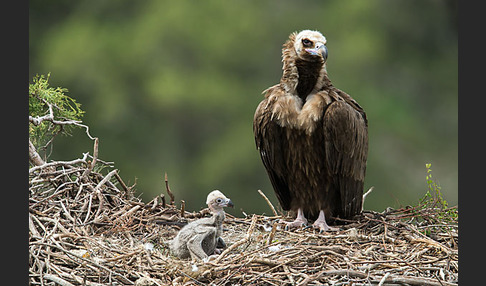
306, 42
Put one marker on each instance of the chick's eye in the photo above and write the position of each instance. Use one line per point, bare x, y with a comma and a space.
306, 42
219, 201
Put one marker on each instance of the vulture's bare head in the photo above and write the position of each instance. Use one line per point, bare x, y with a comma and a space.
216, 201
310, 45
304, 57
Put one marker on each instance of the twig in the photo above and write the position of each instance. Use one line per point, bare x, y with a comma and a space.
101, 202
365, 195
429, 241
266, 261
382, 281
70, 255
272, 233
105, 179
60, 163
268, 202
89, 208
155, 202
171, 195
93, 162
129, 212
416, 281
50, 117
289, 275
240, 242
183, 208
68, 215
57, 280
343, 272
123, 256
162, 197
149, 259
188, 276
124, 186
273, 268
32, 227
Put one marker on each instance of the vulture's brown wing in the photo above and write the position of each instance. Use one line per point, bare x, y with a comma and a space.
269, 139
346, 148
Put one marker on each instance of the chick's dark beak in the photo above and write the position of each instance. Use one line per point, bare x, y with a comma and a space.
229, 203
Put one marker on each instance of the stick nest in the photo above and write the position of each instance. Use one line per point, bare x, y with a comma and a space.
86, 228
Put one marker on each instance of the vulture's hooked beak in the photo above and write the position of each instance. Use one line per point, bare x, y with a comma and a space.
319, 50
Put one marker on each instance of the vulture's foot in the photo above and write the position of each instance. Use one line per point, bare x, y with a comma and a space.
322, 225
300, 221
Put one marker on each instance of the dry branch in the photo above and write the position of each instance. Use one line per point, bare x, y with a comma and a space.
169, 192
93, 162
268, 202
57, 280
34, 157
60, 163
50, 117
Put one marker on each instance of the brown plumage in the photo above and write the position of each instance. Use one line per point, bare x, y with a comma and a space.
312, 137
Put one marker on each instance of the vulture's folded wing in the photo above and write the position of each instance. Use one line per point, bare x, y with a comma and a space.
269, 139
346, 145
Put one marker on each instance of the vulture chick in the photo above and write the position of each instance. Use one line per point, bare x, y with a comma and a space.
312, 137
200, 238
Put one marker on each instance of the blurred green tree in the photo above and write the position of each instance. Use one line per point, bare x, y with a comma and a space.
172, 86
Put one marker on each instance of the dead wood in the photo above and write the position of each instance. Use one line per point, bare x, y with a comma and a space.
87, 228
169, 192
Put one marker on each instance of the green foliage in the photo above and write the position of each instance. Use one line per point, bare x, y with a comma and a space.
433, 199
41, 96
433, 213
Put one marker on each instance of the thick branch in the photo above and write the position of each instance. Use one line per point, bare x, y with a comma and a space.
34, 157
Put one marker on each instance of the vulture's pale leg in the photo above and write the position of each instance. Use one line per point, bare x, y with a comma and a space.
298, 222
321, 223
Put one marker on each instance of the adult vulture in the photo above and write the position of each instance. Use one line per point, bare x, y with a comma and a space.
312, 137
